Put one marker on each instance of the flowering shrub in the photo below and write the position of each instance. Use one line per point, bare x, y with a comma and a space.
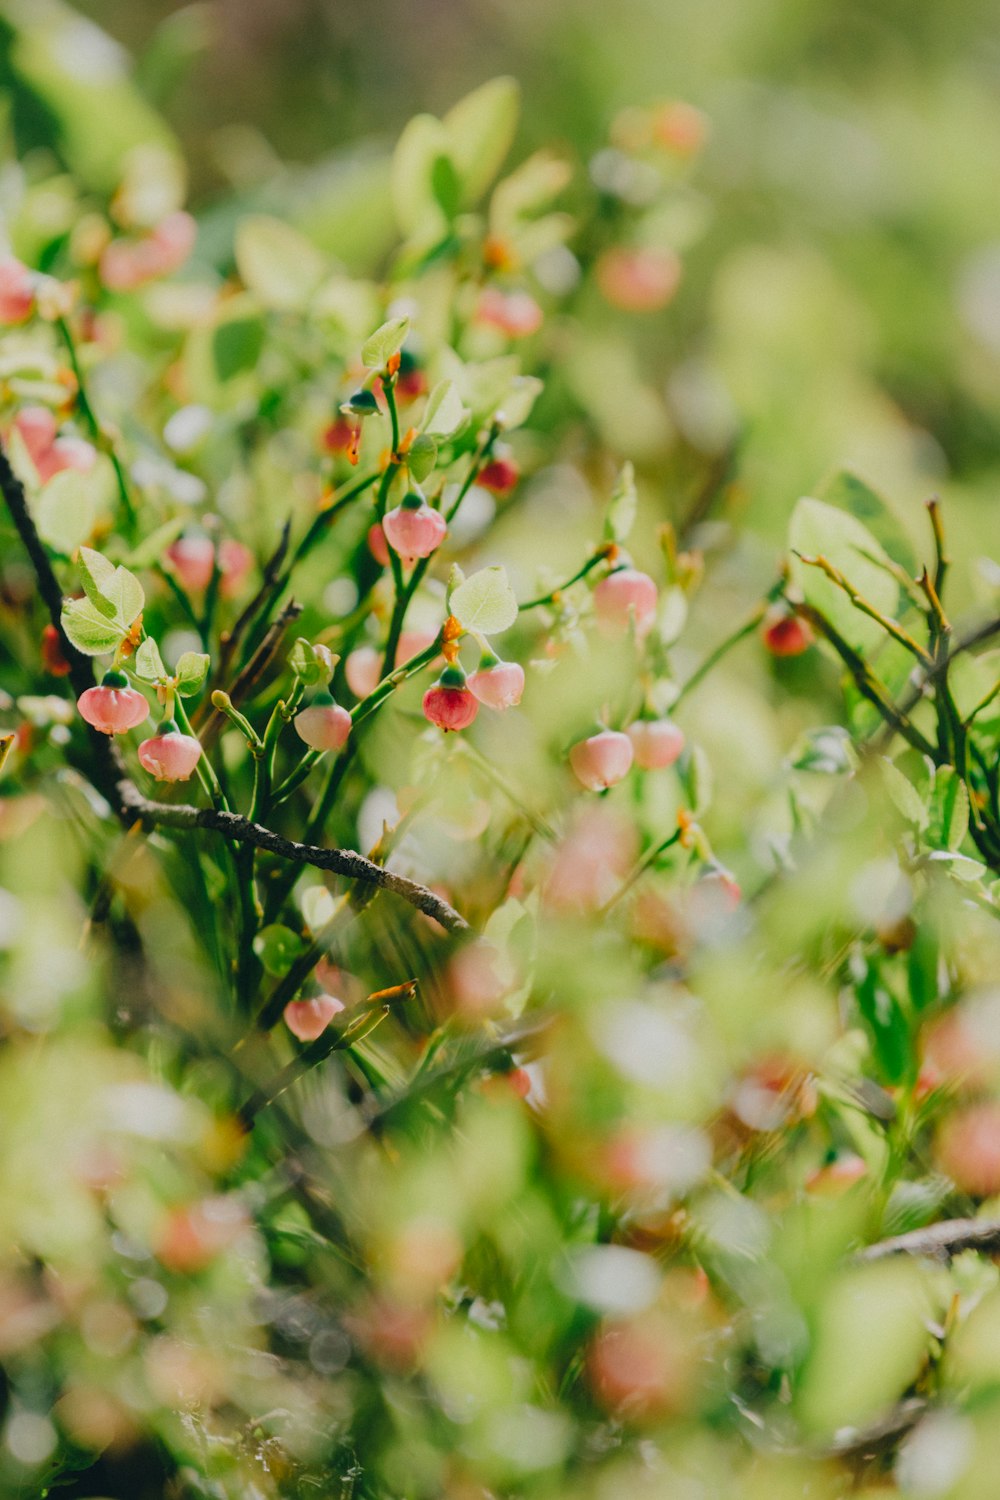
478, 1077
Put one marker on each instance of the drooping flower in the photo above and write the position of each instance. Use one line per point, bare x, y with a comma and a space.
602, 760
324, 725
656, 743
624, 595
193, 560
113, 707
308, 1019
449, 704
170, 755
50, 451
414, 529
497, 684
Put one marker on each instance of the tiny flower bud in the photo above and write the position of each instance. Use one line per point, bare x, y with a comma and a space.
53, 660
516, 314
363, 403
499, 476
638, 280
602, 760
656, 743
308, 1019
624, 595
414, 529
170, 755
498, 684
787, 635
324, 725
113, 707
449, 704
17, 292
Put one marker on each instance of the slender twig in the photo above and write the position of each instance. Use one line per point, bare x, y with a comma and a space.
939, 1241
97, 432
553, 595
890, 626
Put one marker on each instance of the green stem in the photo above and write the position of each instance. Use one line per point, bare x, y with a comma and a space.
553, 594
89, 415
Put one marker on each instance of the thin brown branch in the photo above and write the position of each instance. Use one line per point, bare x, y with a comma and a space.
939, 1241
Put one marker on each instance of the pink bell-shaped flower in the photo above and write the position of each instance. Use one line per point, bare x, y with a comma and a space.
602, 760
113, 707
626, 594
49, 452
170, 755
656, 743
308, 1019
449, 704
192, 559
17, 292
516, 314
414, 529
324, 725
497, 684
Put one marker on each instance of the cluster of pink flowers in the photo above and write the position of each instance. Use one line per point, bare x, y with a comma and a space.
193, 560
49, 450
112, 707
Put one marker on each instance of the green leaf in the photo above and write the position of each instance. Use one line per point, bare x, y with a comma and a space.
904, 795
622, 506
311, 663
518, 401
236, 346
949, 810
818, 529
114, 592
421, 457
191, 671
480, 130
444, 413
66, 510
485, 602
384, 343
887, 1026
277, 948
695, 771
423, 141
152, 548
847, 492
922, 964
89, 630
148, 663
277, 262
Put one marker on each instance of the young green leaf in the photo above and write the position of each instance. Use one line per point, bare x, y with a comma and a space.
444, 413
421, 457
949, 810
818, 529
485, 602
66, 510
148, 663
904, 795
480, 130
384, 343
277, 262
622, 506
88, 629
191, 671
114, 592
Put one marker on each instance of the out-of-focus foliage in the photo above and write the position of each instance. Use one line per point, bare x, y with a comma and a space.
571, 1203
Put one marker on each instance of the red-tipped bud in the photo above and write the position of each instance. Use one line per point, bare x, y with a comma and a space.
449, 704
499, 476
787, 635
323, 726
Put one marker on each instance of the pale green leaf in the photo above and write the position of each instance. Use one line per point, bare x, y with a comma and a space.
480, 130
90, 631
66, 510
147, 663
277, 262
904, 795
423, 142
949, 810
818, 529
191, 671
622, 506
384, 343
485, 602
444, 413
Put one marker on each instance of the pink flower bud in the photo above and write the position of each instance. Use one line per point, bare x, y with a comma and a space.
363, 670
113, 707
516, 314
624, 595
499, 476
308, 1019
50, 453
17, 292
449, 704
170, 755
638, 280
127, 264
602, 760
498, 686
193, 560
655, 743
787, 635
377, 545
323, 726
414, 529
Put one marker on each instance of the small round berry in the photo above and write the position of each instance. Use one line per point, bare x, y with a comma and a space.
656, 743
414, 529
602, 760
113, 707
449, 704
498, 684
499, 476
623, 596
787, 635
170, 755
324, 725
308, 1019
